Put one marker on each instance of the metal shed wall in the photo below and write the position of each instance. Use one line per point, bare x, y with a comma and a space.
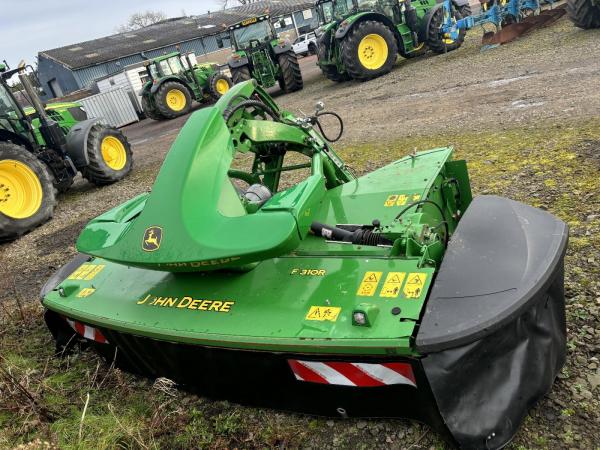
114, 106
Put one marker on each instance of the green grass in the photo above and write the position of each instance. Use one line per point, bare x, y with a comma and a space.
547, 166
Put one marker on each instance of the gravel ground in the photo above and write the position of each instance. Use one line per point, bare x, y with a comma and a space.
524, 115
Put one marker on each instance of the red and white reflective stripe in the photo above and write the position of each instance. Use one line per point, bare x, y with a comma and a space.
353, 374
87, 331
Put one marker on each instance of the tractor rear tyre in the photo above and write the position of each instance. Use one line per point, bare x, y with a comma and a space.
435, 40
149, 110
27, 193
240, 74
219, 84
369, 50
330, 71
584, 13
110, 157
173, 99
291, 76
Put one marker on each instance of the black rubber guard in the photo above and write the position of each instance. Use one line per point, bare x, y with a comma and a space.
494, 331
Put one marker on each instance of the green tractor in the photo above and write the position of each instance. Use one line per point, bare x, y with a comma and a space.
41, 151
259, 54
175, 81
291, 283
360, 39
584, 13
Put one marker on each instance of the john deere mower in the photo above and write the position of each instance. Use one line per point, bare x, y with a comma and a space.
394, 294
361, 39
584, 13
259, 54
42, 150
174, 81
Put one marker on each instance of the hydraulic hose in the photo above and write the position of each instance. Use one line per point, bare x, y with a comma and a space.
337, 138
251, 103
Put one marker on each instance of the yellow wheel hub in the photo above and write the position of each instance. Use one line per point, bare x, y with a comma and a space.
20, 190
113, 153
222, 86
176, 100
372, 51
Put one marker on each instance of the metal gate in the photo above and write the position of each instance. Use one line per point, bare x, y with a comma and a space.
114, 106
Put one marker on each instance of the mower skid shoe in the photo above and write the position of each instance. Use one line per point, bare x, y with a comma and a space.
494, 332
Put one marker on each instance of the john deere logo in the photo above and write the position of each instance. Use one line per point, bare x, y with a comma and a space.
249, 21
152, 238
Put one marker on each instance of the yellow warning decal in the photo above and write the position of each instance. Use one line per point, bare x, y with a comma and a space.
85, 292
369, 283
392, 284
323, 313
414, 285
402, 199
86, 272
249, 21
390, 201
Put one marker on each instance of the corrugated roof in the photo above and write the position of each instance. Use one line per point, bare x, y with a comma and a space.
168, 32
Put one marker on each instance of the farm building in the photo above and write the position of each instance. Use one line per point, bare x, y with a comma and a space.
71, 68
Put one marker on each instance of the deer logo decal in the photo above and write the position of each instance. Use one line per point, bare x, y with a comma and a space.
152, 238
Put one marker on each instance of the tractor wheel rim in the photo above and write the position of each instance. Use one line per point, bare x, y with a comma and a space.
113, 153
222, 86
372, 51
176, 100
20, 190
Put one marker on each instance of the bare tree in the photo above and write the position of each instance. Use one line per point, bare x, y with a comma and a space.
141, 20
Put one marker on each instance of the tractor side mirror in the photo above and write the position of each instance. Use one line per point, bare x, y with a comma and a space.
2, 68
219, 42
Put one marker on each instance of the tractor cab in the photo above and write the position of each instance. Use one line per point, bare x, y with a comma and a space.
13, 120
252, 33
260, 54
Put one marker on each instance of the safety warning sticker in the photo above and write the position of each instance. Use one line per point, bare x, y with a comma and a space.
86, 272
391, 286
369, 283
323, 313
414, 285
85, 292
390, 201
402, 199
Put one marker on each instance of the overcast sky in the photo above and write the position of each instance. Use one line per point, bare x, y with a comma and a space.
30, 26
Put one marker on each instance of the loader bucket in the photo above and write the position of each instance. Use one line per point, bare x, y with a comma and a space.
515, 30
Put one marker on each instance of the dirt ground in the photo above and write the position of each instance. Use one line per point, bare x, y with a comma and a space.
526, 116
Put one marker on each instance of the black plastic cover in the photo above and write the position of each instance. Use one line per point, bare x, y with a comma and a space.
61, 274
501, 257
485, 389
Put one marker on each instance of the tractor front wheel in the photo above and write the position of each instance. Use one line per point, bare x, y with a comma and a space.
369, 50
149, 110
240, 74
173, 99
584, 13
219, 84
27, 193
330, 71
436, 40
110, 157
291, 76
